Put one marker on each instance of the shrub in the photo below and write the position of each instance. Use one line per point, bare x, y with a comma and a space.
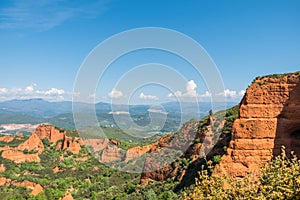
280, 179
150, 195
216, 159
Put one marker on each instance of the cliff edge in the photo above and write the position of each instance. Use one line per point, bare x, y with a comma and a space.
269, 118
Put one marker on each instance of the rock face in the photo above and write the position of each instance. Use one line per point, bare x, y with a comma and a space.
54, 135
4, 181
50, 132
6, 138
136, 152
2, 168
36, 188
159, 170
269, 117
111, 153
96, 144
71, 144
32, 143
67, 196
19, 157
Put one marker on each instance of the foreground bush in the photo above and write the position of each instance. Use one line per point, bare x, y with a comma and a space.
280, 179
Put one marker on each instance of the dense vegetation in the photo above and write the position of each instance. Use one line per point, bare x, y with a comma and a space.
280, 179
88, 179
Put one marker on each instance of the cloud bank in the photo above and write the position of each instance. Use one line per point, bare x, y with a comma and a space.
31, 91
191, 93
115, 94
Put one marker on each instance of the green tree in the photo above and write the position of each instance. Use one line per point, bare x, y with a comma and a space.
150, 195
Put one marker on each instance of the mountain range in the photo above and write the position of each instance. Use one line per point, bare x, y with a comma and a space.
35, 111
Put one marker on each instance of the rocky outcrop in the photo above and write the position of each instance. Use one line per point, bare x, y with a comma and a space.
7, 138
19, 157
50, 132
136, 152
2, 168
4, 148
81, 159
71, 144
157, 169
57, 170
18, 154
36, 188
115, 142
54, 135
33, 143
96, 144
67, 196
111, 153
269, 117
4, 181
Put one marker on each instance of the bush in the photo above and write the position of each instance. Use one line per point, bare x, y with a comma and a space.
150, 195
280, 179
216, 159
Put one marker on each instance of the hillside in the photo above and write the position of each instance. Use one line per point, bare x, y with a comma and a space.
51, 160
237, 143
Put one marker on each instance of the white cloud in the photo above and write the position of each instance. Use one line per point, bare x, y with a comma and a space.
206, 94
231, 95
190, 90
3, 90
115, 94
29, 88
29, 92
54, 91
150, 97
242, 92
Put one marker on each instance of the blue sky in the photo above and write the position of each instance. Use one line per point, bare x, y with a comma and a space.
43, 44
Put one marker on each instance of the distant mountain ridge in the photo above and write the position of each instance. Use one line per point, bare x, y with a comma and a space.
42, 108
35, 111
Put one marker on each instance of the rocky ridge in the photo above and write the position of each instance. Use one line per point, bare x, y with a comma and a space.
268, 118
29, 150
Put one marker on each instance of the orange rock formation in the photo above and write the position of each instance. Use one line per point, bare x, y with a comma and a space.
111, 153
19, 157
136, 152
2, 168
32, 143
67, 196
7, 138
96, 144
71, 144
50, 132
4, 181
36, 188
269, 118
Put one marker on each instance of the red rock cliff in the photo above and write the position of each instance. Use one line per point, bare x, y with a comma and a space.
269, 118
50, 132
